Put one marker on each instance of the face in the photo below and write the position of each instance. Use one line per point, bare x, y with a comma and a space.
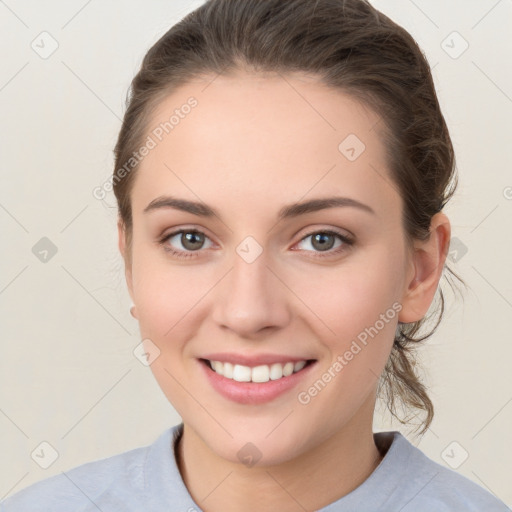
259, 283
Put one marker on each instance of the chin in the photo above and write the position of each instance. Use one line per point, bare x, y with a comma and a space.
257, 442
260, 452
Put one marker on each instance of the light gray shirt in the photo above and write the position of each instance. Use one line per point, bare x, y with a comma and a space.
148, 479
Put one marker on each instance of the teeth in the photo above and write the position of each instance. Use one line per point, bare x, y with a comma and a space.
227, 369
276, 371
287, 369
262, 373
298, 366
218, 367
241, 373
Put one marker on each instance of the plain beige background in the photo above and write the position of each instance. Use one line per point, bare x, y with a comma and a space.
68, 375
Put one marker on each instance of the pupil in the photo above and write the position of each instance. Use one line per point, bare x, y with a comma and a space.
191, 239
320, 238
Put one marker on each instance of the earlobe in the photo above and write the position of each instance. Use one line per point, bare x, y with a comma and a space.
428, 259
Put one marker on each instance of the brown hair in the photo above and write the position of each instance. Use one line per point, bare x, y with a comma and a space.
350, 46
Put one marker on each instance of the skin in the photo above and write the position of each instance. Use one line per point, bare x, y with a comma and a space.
252, 145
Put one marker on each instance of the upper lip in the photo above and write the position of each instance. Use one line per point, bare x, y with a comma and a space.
253, 360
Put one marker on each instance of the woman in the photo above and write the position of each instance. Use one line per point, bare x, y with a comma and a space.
280, 173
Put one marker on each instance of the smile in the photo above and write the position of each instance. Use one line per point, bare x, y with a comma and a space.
255, 384
261, 373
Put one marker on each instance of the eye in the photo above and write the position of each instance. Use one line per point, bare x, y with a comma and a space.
324, 241
191, 241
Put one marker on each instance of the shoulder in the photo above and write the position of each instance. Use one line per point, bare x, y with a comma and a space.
116, 481
431, 486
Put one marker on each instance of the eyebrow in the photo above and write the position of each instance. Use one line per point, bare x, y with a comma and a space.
288, 211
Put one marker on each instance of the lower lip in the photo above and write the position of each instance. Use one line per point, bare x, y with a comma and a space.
253, 392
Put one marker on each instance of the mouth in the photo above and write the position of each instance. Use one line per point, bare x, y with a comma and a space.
261, 373
255, 384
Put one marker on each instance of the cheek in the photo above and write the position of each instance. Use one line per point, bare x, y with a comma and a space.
168, 297
353, 297
162, 301
360, 304
156, 302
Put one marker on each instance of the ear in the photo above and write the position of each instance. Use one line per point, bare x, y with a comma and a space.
428, 258
124, 250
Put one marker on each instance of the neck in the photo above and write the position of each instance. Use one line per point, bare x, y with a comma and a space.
311, 481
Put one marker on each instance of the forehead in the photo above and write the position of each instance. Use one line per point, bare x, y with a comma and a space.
263, 135
266, 108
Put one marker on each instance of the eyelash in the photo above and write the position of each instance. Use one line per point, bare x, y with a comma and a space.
347, 242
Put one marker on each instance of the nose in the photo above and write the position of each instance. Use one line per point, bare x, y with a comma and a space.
252, 300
